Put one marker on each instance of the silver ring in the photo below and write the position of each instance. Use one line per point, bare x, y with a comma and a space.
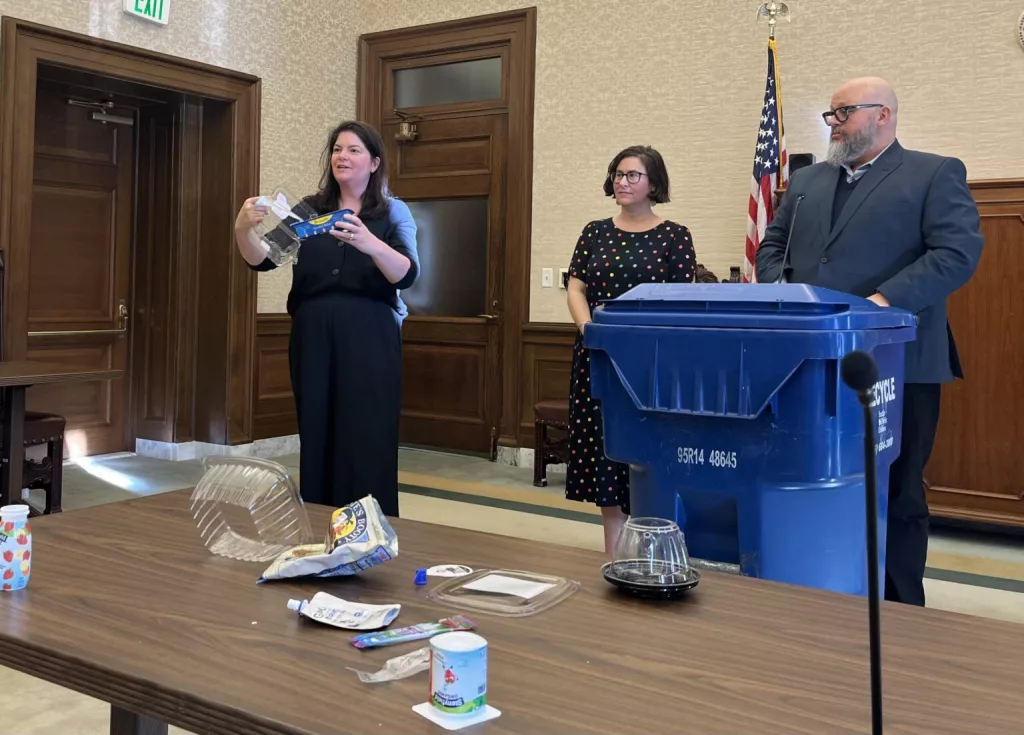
351, 235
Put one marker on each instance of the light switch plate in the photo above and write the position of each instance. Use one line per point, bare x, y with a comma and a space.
546, 276
562, 273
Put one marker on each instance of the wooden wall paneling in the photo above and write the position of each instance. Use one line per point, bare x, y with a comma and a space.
211, 415
974, 472
547, 366
155, 330
244, 160
273, 411
519, 224
186, 285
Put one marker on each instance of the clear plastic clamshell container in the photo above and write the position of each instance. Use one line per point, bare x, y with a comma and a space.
282, 212
249, 509
504, 592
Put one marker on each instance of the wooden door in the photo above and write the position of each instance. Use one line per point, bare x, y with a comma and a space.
453, 179
80, 263
466, 88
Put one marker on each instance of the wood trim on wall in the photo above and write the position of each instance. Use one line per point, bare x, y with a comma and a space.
220, 132
273, 407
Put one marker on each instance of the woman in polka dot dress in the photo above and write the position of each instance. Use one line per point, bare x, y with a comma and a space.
611, 257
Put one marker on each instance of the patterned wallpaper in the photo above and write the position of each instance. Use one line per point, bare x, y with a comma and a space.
688, 78
685, 77
300, 49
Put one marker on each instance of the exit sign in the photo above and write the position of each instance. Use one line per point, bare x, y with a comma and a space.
154, 10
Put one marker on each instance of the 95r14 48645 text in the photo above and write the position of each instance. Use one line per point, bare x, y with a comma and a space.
713, 457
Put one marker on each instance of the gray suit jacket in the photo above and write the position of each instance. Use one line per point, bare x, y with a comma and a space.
909, 231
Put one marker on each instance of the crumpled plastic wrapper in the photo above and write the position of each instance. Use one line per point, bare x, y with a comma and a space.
400, 667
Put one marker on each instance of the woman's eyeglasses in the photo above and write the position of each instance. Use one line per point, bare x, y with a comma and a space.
632, 177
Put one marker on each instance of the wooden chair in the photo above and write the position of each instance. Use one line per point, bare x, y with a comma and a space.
40, 428
547, 449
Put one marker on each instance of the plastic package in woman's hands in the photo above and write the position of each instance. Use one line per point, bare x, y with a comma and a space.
277, 231
401, 667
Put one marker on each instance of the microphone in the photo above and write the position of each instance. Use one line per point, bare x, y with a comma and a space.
860, 373
789, 239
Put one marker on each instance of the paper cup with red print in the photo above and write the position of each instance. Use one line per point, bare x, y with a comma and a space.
15, 547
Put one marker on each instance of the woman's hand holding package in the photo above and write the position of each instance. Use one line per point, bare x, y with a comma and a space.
353, 232
389, 261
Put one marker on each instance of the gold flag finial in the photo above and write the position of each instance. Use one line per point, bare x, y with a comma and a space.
773, 12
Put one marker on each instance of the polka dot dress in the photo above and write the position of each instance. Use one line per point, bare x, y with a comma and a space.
611, 261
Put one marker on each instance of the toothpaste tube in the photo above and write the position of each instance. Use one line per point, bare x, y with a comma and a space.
331, 610
319, 225
412, 632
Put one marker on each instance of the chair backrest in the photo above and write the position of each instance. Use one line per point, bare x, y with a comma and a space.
703, 275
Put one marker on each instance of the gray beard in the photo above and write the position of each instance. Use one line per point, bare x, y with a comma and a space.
847, 150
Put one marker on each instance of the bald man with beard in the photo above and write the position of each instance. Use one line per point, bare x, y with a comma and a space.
900, 228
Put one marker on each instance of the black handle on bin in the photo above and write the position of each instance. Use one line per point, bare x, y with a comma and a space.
860, 372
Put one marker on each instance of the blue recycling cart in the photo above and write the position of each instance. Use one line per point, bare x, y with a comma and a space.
726, 401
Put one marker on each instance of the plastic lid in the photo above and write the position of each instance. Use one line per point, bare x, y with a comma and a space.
294, 604
504, 592
789, 306
14, 512
459, 641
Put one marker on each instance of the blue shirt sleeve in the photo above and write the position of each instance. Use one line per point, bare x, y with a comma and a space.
402, 238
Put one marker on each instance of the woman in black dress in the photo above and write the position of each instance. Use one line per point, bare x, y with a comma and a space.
611, 257
345, 352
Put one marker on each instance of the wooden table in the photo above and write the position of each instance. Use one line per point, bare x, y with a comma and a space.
15, 377
127, 606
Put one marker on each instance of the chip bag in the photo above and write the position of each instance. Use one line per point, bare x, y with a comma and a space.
358, 538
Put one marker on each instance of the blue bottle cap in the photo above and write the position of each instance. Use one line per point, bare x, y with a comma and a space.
421, 576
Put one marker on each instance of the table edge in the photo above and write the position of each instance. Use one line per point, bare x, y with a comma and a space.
140, 696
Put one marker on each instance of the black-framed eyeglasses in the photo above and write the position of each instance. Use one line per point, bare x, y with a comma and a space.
842, 114
632, 177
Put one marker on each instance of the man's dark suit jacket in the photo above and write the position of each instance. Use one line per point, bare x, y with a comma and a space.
910, 231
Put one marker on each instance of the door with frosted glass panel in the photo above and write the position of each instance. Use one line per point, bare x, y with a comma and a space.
453, 177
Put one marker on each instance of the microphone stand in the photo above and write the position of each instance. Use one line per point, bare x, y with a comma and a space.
789, 239
872, 528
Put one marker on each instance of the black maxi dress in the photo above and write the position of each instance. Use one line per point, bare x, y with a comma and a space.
345, 359
612, 261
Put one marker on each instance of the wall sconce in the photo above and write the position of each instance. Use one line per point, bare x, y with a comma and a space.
406, 128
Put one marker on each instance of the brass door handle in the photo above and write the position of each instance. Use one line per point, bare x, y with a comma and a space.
78, 332
489, 317
120, 332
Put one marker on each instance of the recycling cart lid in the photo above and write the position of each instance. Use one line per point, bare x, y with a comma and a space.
786, 306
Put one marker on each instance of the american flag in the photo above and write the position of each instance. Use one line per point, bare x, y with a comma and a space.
771, 165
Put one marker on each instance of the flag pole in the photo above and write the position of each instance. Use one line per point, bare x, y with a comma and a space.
773, 12
770, 170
